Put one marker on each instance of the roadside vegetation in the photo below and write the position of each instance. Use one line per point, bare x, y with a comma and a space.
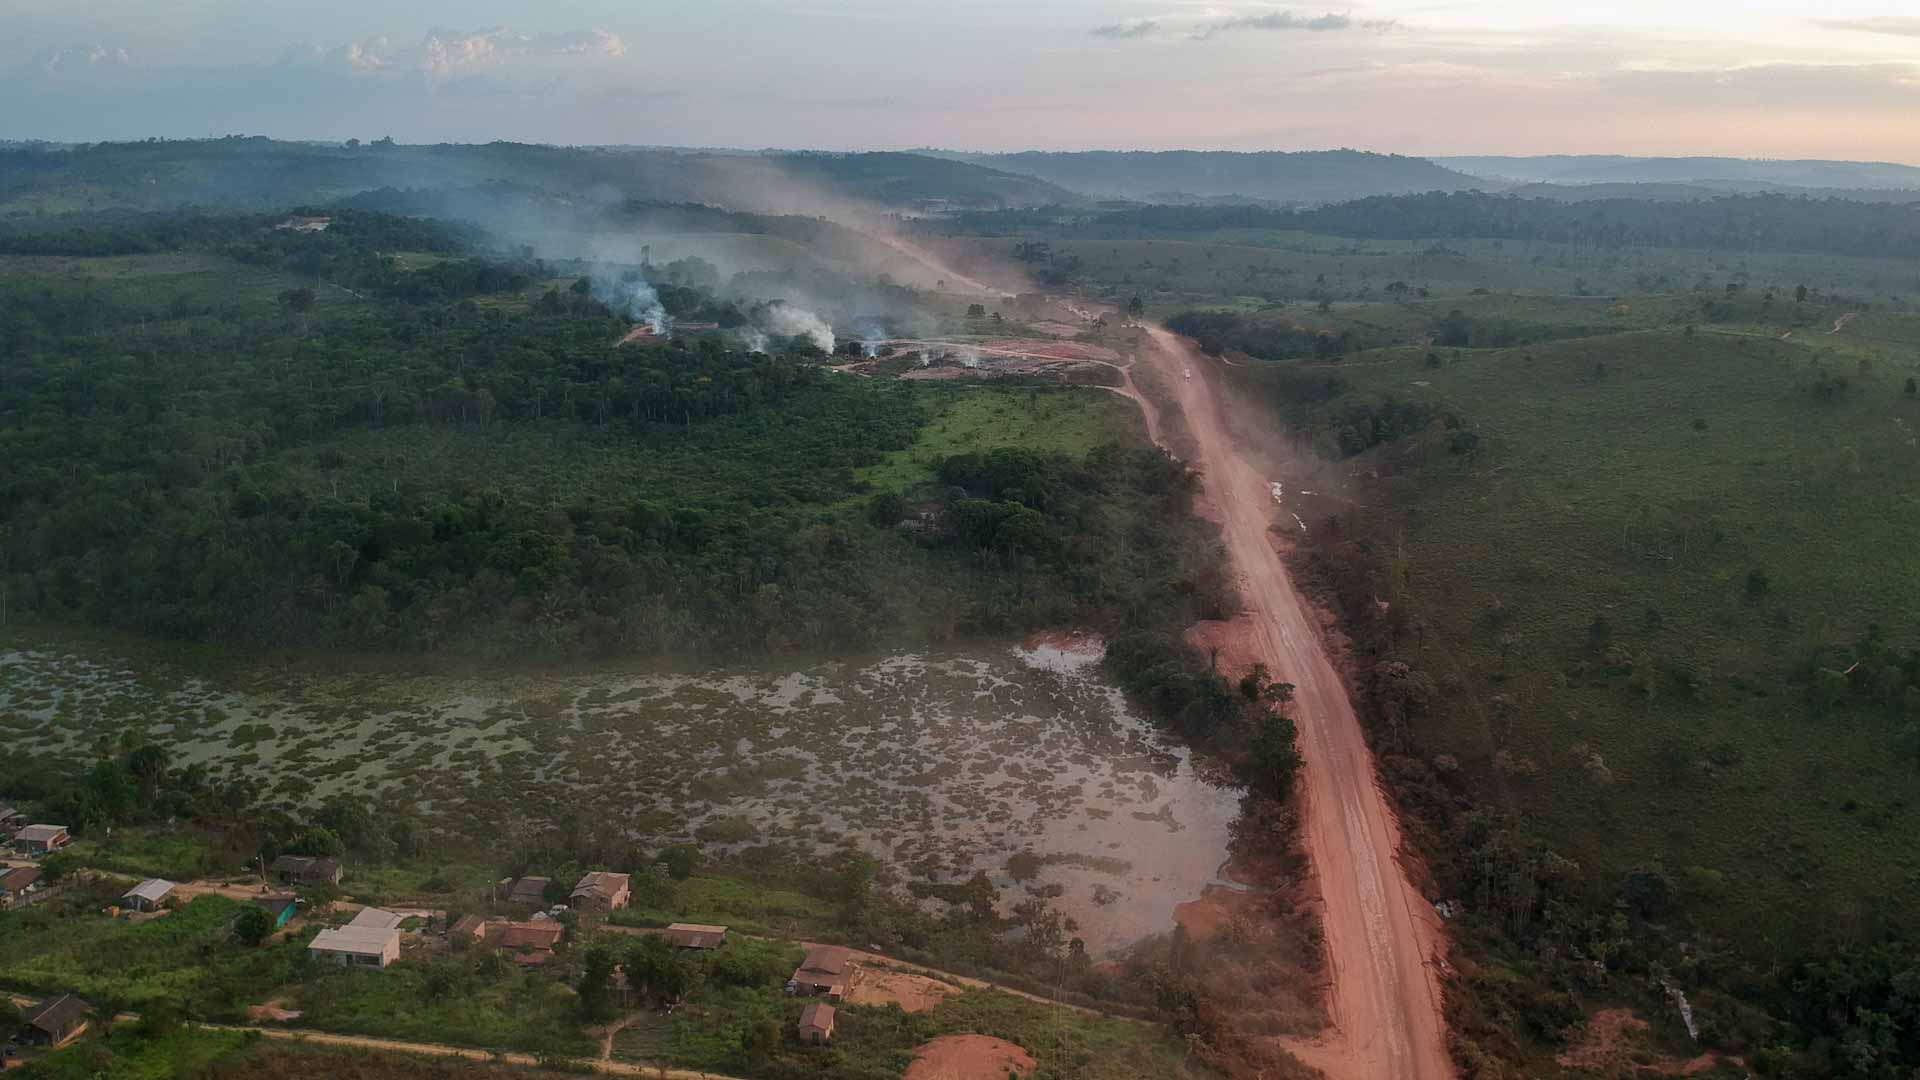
1621, 552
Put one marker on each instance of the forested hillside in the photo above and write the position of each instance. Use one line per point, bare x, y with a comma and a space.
259, 173
1731, 223
300, 438
1274, 176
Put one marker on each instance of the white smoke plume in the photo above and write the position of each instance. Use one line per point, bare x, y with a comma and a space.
789, 321
627, 293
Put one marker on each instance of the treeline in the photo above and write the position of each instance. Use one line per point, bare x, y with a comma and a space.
433, 474
1729, 223
1557, 933
1265, 337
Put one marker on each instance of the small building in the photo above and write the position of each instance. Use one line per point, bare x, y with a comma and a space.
602, 891
816, 1023
55, 1021
148, 895
469, 929
306, 870
16, 884
531, 891
696, 936
357, 946
42, 839
11, 819
828, 970
374, 918
530, 943
278, 908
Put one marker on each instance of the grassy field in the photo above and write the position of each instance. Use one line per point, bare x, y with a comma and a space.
1730, 528
185, 960
963, 418
473, 1000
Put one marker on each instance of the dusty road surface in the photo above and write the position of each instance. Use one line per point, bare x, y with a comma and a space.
1380, 933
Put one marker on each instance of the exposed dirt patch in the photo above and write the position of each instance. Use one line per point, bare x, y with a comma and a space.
969, 1057
1614, 1043
1380, 937
1204, 919
1057, 329
913, 993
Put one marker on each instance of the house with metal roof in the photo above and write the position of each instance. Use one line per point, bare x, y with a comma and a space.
148, 895
55, 1021
357, 946
374, 918
42, 839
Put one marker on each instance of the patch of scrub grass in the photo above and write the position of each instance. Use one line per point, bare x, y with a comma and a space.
186, 958
971, 417
416, 881
151, 852
470, 999
879, 1042
131, 1052
1623, 589
747, 906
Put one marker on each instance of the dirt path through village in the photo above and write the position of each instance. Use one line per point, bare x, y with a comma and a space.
404, 1046
1381, 935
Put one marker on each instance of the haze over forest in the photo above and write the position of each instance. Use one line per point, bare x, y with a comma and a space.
904, 541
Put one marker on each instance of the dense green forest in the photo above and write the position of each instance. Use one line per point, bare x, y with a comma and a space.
1171, 175
1730, 223
260, 173
446, 455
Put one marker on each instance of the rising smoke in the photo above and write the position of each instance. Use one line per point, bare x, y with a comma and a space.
790, 321
627, 293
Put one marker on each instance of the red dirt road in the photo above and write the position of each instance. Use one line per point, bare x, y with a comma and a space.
1380, 933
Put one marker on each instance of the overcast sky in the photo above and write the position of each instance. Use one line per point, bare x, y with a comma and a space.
1765, 78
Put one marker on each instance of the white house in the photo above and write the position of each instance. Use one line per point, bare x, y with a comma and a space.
357, 946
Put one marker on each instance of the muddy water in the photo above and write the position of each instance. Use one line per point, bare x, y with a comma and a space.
942, 764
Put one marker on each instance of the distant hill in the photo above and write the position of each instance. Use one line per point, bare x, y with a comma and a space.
1716, 171
257, 173
1705, 190
1198, 175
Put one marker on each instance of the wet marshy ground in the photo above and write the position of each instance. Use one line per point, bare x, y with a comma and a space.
1016, 762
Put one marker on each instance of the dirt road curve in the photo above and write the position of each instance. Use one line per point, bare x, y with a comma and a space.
401, 1046
1380, 933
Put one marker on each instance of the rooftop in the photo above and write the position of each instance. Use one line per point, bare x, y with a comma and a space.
57, 1015
817, 1015
374, 918
358, 940
152, 890
602, 884
826, 960
39, 833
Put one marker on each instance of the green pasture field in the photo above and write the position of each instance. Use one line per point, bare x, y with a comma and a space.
1641, 479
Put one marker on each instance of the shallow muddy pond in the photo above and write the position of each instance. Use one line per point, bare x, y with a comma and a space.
940, 763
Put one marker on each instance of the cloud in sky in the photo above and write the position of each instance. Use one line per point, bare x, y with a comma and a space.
1139, 28
1277, 20
1900, 25
1770, 77
442, 53
1207, 29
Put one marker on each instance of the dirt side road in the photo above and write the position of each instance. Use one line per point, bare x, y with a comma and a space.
1380, 933
403, 1046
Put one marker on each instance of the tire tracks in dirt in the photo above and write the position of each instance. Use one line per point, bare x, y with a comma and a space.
1381, 936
